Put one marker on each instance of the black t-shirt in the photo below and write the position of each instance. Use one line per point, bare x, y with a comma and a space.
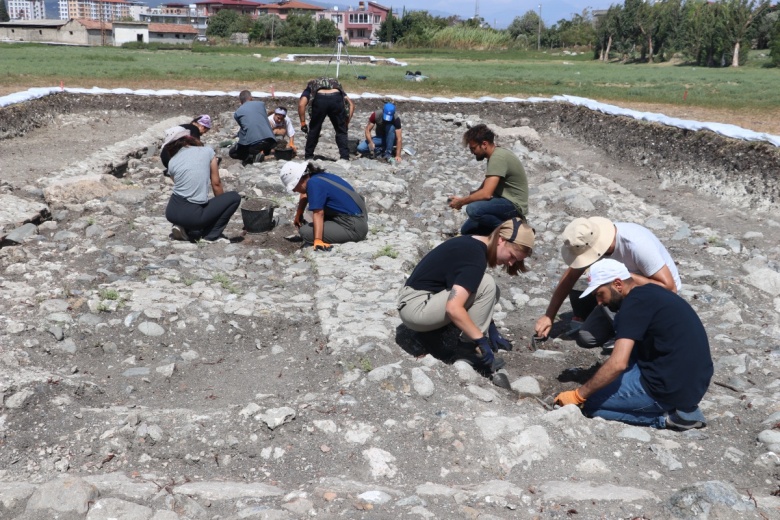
671, 347
458, 261
194, 130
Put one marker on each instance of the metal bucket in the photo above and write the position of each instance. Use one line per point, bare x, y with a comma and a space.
258, 215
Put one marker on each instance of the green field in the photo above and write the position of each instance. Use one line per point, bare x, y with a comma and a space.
468, 73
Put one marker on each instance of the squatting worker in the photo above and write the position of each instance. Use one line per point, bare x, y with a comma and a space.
255, 137
661, 365
450, 286
197, 128
388, 141
325, 98
282, 127
503, 193
339, 213
585, 240
193, 168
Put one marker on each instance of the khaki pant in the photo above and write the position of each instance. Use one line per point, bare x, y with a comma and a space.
423, 311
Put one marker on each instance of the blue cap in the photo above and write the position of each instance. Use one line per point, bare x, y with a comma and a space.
388, 112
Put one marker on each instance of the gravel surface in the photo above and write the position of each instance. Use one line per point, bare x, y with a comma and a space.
146, 378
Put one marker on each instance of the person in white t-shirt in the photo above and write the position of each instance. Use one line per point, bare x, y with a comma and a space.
282, 127
586, 240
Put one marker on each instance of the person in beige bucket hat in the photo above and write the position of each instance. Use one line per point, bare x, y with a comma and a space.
586, 240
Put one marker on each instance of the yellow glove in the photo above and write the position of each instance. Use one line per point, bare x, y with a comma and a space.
319, 245
570, 397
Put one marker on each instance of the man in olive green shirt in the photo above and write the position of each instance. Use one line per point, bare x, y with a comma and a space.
504, 192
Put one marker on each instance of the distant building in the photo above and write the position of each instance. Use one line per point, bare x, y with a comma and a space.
125, 32
177, 14
358, 26
26, 9
93, 32
105, 10
211, 7
285, 7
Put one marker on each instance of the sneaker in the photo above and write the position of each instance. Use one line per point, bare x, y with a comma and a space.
682, 421
178, 233
250, 159
259, 157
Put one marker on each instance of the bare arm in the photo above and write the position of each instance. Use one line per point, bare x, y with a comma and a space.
302, 109
216, 182
484, 192
615, 365
370, 126
351, 109
457, 313
663, 278
564, 287
303, 200
399, 144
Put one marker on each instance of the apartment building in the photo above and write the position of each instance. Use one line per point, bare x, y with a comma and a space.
358, 26
26, 9
105, 10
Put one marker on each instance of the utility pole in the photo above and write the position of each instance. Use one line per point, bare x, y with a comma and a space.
539, 30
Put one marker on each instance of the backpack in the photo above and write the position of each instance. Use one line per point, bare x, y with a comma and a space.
318, 84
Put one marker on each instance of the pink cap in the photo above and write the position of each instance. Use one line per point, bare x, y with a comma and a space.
205, 120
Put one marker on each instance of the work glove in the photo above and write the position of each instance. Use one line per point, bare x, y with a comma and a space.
319, 245
485, 352
305, 129
496, 339
569, 397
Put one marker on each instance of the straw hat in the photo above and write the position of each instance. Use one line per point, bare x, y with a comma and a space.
585, 240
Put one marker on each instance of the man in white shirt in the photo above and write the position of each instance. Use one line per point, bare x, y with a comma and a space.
586, 240
282, 127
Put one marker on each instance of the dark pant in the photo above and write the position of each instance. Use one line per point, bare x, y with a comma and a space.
486, 215
242, 151
205, 221
338, 229
332, 107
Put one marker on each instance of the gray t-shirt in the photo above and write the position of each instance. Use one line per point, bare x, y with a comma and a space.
641, 251
253, 120
190, 169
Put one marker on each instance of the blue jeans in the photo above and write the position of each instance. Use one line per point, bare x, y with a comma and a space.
625, 400
487, 215
384, 143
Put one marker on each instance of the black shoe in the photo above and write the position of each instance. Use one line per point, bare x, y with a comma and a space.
250, 159
680, 421
259, 157
179, 233
308, 158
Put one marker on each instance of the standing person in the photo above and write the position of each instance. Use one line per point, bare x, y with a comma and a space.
388, 134
661, 365
255, 137
450, 286
193, 168
503, 193
586, 240
339, 213
326, 98
282, 126
197, 127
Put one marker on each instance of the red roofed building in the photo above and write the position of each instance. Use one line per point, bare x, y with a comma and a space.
358, 26
282, 9
211, 7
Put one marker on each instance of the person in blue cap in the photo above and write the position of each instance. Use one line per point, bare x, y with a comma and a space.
388, 134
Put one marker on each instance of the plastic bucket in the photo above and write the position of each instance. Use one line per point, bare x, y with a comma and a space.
284, 154
258, 215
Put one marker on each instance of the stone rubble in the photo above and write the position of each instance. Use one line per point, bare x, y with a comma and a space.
150, 379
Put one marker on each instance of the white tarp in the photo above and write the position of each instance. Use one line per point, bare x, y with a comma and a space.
732, 131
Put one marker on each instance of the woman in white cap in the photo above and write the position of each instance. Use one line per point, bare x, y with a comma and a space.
339, 213
450, 286
193, 168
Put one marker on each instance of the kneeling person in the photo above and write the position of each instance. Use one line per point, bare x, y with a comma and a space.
339, 213
450, 286
660, 367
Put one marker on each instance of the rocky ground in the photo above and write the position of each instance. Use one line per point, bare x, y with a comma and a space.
145, 378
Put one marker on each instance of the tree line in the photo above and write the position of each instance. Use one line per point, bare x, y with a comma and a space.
712, 33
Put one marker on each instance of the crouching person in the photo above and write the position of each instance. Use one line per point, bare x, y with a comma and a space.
450, 286
339, 213
660, 367
193, 168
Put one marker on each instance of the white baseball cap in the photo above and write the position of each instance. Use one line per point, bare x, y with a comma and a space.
603, 272
291, 174
173, 133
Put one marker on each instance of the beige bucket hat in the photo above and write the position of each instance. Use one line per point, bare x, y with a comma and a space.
585, 240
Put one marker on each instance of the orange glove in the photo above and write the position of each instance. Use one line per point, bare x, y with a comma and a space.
319, 245
570, 397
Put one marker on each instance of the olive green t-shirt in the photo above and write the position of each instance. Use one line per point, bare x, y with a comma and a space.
513, 184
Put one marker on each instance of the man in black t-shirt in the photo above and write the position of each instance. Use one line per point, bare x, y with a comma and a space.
661, 365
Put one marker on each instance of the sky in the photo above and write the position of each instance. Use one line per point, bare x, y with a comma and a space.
500, 13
